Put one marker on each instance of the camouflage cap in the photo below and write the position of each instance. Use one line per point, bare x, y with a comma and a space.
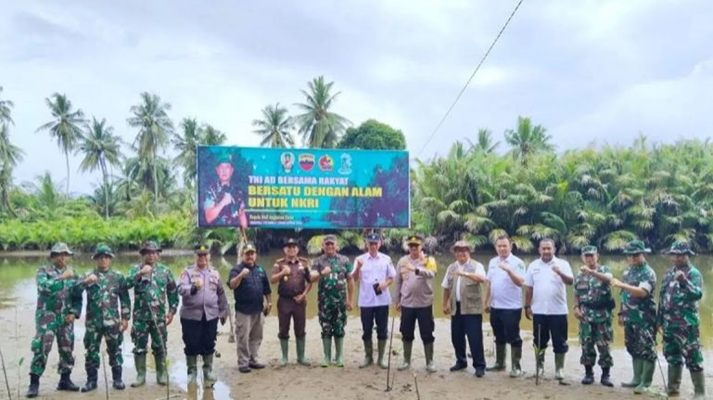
461, 244
291, 242
150, 245
201, 249
329, 239
681, 248
223, 157
373, 237
415, 239
589, 250
103, 250
60, 248
249, 247
636, 247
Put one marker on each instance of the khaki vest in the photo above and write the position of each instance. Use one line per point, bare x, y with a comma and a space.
471, 293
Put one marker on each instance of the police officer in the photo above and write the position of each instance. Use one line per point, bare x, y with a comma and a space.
54, 317
223, 203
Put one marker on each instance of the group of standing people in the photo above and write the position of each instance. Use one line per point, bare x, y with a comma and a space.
469, 292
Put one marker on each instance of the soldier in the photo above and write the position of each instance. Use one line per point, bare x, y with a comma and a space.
593, 304
292, 276
204, 303
638, 315
153, 286
54, 317
105, 289
414, 300
678, 319
224, 203
334, 297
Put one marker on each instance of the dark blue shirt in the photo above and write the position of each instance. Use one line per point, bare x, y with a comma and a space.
249, 295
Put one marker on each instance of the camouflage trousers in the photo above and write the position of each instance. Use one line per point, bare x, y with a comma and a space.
599, 335
92, 343
333, 319
640, 340
140, 332
42, 345
681, 344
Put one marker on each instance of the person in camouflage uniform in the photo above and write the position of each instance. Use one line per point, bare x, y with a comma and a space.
54, 317
336, 288
638, 316
681, 290
593, 304
223, 202
153, 286
105, 289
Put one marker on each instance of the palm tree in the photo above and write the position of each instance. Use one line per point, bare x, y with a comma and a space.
66, 127
527, 139
10, 155
485, 141
5, 110
185, 143
101, 148
212, 136
275, 127
319, 126
155, 127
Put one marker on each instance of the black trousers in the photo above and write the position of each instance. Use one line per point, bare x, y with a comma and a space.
371, 314
546, 326
470, 327
426, 326
199, 336
506, 326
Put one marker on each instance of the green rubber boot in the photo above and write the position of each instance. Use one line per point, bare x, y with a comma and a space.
674, 379
368, 354
647, 376
327, 348
515, 357
285, 347
428, 350
500, 354
406, 363
559, 366
699, 385
338, 346
161, 376
301, 360
382, 348
140, 363
192, 368
637, 364
208, 377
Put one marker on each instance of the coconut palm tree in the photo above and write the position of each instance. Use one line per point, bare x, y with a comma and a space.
5, 110
101, 149
275, 127
485, 142
527, 139
318, 125
185, 143
212, 136
66, 127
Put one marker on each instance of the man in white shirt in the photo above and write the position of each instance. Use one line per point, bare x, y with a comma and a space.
374, 271
546, 283
503, 300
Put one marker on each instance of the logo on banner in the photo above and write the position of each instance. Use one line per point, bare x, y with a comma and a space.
326, 163
288, 161
307, 161
346, 167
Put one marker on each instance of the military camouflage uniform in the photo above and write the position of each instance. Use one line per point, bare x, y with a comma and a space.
55, 301
104, 315
332, 294
150, 294
678, 316
639, 314
595, 327
230, 214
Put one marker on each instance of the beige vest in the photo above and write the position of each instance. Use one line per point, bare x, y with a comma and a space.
471, 293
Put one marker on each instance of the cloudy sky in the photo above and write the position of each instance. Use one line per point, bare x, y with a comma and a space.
597, 71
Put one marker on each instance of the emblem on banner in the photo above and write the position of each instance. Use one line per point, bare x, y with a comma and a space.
288, 161
307, 161
326, 163
346, 167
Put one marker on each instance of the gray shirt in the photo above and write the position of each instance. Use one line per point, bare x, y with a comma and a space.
209, 299
415, 289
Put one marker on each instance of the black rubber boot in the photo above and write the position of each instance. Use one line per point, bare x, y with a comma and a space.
66, 384
588, 375
34, 388
91, 380
606, 381
116, 377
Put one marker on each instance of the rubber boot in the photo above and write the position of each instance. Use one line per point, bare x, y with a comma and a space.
559, 366
285, 347
91, 380
699, 385
428, 350
327, 348
515, 357
140, 363
368, 354
192, 369
606, 377
301, 360
382, 348
500, 353
161, 377
540, 360
588, 375
338, 346
208, 377
406, 363
34, 388
637, 364
66, 384
674, 379
647, 376
117, 383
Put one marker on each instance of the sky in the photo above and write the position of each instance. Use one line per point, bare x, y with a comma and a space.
592, 72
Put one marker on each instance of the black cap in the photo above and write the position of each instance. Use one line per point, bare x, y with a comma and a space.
201, 249
291, 242
373, 237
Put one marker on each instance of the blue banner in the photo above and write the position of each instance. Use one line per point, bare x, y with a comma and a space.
302, 188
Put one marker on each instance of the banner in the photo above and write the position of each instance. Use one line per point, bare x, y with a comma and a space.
302, 188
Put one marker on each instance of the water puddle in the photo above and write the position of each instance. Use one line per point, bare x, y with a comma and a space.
179, 377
